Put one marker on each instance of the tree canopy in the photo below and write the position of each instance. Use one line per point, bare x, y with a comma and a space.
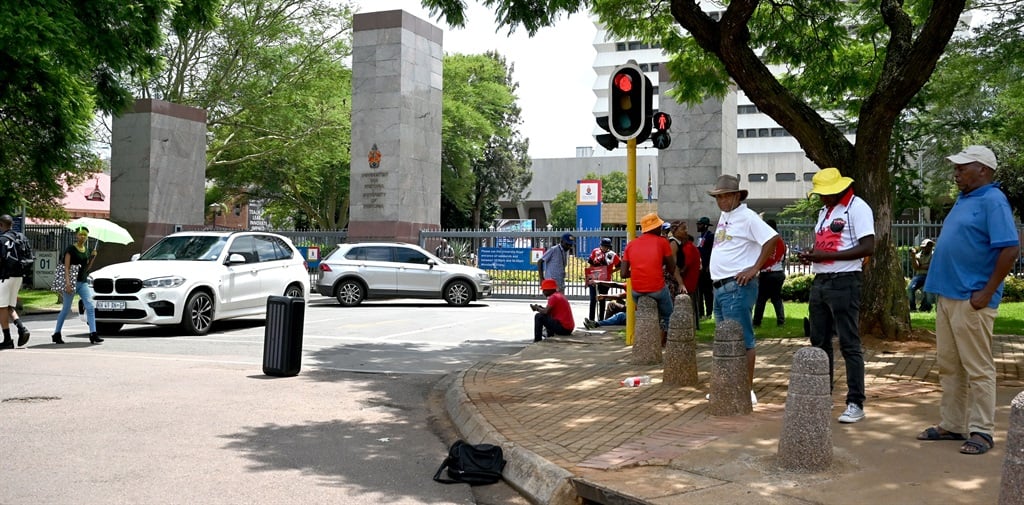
483, 156
811, 65
60, 63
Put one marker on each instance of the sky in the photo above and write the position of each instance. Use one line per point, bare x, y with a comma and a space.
554, 70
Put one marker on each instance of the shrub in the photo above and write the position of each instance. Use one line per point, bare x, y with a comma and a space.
797, 288
1013, 289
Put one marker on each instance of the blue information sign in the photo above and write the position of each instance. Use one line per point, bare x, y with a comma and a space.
501, 258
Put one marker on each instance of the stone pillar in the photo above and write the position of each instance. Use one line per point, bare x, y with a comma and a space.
157, 173
730, 393
806, 441
647, 340
1011, 491
395, 186
703, 147
681, 351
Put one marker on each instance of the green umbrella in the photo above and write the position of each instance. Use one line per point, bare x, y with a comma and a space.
102, 230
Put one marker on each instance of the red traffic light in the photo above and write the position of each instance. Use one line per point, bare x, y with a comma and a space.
623, 82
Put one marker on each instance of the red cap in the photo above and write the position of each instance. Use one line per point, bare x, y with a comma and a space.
547, 284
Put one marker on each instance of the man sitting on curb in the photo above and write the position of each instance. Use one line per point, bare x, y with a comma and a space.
556, 317
616, 310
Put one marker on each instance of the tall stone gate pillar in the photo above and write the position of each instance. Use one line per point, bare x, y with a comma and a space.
157, 173
396, 127
703, 147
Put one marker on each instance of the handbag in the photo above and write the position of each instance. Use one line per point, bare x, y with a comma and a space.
596, 274
472, 464
59, 280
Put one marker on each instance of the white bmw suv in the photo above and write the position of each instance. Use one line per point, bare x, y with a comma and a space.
195, 278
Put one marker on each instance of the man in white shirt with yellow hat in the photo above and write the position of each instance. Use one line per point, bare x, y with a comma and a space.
843, 237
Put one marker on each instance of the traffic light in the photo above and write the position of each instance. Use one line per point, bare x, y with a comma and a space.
661, 123
627, 101
606, 140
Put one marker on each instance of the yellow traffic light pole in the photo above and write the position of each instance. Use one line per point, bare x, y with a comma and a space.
630, 231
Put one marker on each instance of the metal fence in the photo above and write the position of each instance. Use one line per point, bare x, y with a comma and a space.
525, 283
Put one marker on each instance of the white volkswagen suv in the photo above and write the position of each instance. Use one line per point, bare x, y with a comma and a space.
195, 278
381, 270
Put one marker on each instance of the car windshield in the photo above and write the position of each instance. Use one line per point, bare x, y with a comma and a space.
186, 248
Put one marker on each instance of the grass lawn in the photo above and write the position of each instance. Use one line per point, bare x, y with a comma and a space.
1009, 322
37, 300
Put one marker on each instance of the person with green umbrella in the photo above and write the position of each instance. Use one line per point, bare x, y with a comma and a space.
80, 254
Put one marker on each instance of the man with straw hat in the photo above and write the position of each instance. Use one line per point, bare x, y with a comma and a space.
844, 236
644, 261
743, 244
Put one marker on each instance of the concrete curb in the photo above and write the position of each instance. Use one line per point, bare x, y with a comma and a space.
535, 477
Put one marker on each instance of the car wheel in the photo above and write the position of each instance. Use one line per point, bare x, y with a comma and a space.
108, 328
295, 291
198, 315
349, 293
458, 293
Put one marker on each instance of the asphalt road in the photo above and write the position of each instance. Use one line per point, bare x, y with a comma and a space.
151, 416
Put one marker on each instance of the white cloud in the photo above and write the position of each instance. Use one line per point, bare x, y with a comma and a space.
554, 71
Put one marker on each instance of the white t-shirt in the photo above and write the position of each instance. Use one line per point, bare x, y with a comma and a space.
738, 240
841, 228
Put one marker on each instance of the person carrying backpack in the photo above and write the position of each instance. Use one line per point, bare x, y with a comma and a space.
16, 260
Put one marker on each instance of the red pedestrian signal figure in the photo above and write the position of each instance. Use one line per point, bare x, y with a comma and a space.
662, 122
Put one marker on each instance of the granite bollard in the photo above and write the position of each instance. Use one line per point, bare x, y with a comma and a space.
681, 350
805, 444
647, 338
730, 392
1011, 491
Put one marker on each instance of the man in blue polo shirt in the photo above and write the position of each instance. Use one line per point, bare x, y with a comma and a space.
968, 269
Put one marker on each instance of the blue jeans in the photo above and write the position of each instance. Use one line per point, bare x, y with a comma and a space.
617, 319
85, 292
734, 302
665, 305
916, 283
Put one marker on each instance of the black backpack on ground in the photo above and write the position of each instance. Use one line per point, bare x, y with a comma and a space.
472, 464
16, 256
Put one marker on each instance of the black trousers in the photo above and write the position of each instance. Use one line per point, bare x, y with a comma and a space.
769, 288
834, 308
595, 290
554, 327
705, 295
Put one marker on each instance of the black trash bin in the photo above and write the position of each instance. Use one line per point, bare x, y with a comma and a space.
282, 339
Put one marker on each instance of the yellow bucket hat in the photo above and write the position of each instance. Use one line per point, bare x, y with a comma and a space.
829, 182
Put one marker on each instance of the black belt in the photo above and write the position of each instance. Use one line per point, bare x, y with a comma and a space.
834, 275
718, 284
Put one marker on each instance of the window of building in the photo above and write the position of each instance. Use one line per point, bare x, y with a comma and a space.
751, 133
620, 46
779, 132
785, 177
763, 132
716, 15
635, 45
757, 178
808, 176
740, 134
747, 109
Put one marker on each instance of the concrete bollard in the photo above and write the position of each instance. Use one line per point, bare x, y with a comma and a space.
730, 393
681, 350
647, 340
1011, 492
806, 441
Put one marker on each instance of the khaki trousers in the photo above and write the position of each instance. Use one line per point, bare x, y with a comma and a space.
967, 371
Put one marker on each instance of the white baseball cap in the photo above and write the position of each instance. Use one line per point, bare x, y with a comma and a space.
981, 154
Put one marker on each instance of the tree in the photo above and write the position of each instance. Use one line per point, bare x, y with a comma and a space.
273, 81
483, 156
563, 210
60, 62
864, 60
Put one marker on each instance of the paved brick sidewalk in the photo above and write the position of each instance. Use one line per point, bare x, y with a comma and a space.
561, 398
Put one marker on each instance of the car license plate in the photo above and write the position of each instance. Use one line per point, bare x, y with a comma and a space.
109, 305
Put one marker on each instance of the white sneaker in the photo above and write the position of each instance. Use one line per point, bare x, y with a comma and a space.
852, 414
753, 398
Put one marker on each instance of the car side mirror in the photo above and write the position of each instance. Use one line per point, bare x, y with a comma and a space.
136, 256
431, 262
235, 258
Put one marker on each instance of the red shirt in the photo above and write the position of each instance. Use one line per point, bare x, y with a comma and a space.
559, 310
646, 255
692, 270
